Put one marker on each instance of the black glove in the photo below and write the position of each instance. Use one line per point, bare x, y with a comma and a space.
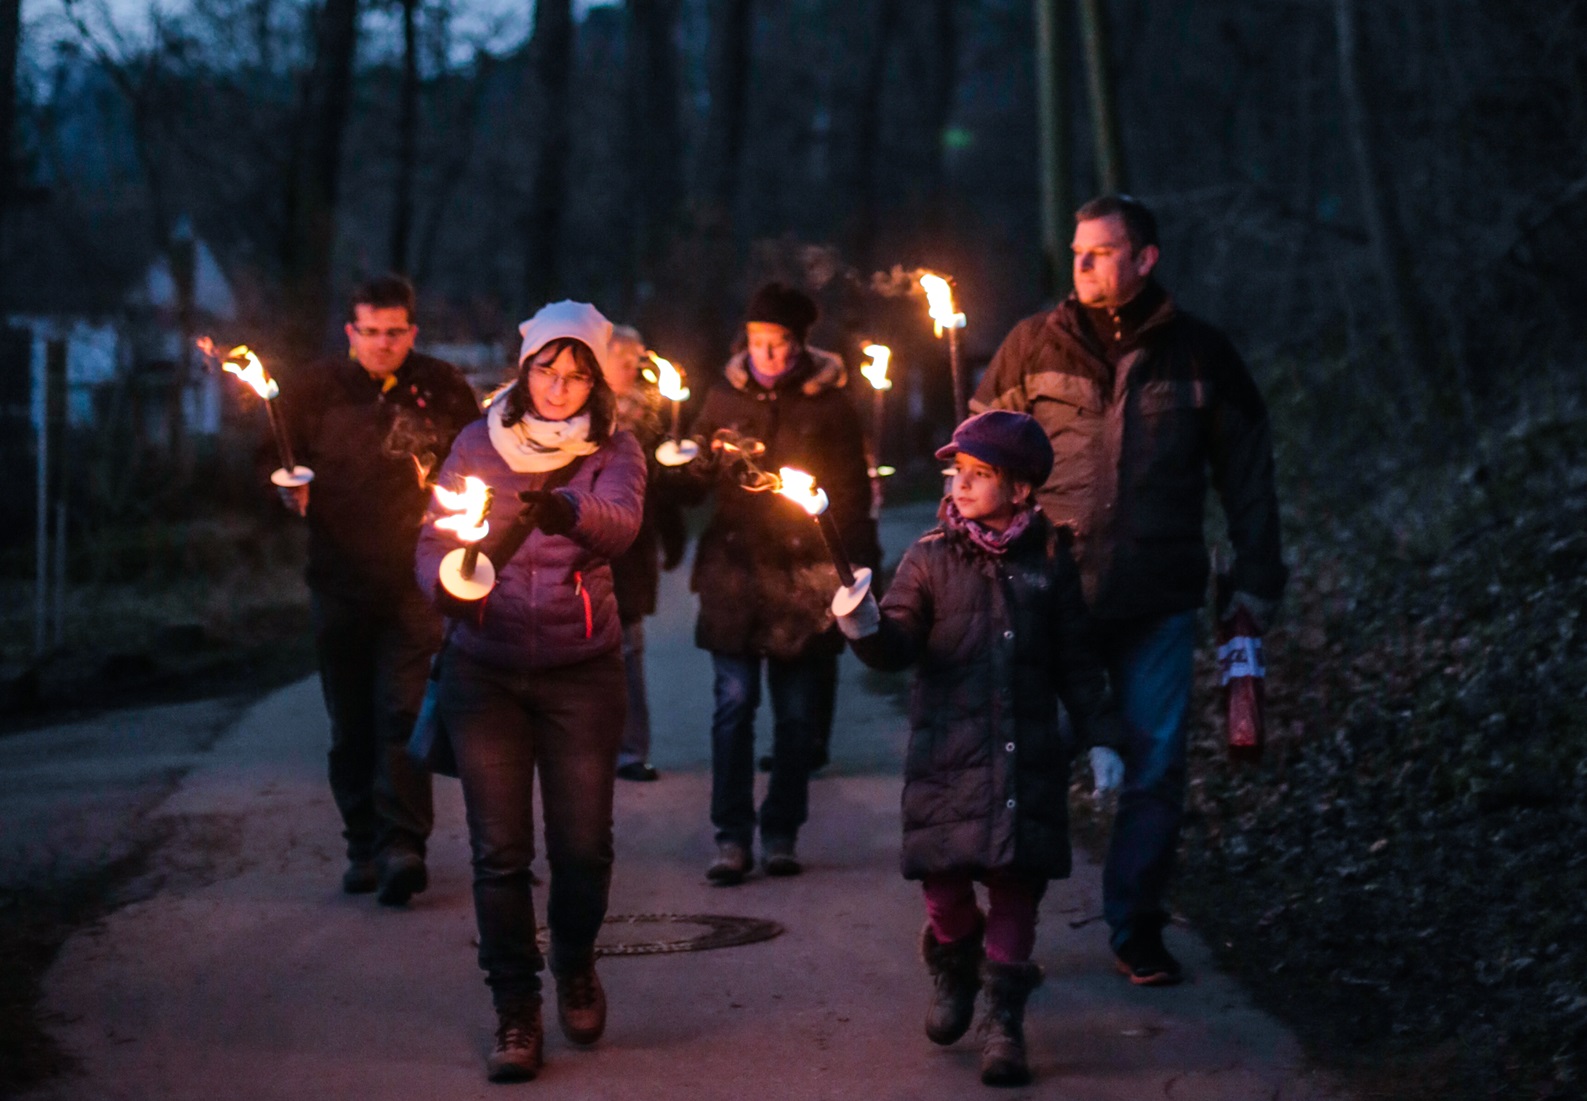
470, 611
549, 511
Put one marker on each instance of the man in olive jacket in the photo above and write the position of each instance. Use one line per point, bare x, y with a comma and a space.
1142, 402
373, 425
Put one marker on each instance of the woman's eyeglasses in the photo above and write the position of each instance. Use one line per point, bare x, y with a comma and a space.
549, 377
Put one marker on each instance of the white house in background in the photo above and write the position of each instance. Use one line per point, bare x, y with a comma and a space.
158, 294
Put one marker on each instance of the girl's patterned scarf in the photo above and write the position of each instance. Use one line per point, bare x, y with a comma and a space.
533, 446
992, 542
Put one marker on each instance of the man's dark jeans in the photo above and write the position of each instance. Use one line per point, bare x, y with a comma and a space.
504, 725
1151, 666
374, 658
796, 688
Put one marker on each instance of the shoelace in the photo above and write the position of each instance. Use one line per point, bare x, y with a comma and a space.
579, 990
513, 1034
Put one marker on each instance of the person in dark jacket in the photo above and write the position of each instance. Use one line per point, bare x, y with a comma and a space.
1142, 402
661, 533
763, 574
532, 678
987, 606
373, 425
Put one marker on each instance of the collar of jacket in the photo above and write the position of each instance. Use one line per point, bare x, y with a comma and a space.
1067, 323
817, 370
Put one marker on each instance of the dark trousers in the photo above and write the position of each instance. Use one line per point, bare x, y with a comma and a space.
796, 694
374, 658
505, 724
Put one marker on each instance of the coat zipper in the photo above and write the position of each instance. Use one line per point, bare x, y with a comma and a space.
578, 587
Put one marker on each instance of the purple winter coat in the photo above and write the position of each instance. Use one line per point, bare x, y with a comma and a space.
553, 603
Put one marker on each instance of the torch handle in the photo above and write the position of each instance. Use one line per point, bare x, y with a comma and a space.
470, 561
675, 404
283, 443
834, 542
956, 372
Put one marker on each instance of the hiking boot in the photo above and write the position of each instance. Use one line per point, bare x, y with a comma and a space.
956, 974
1145, 961
520, 1041
639, 771
402, 875
581, 1004
731, 865
778, 855
361, 876
1008, 986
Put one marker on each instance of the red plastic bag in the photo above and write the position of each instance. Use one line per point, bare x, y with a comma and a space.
1241, 671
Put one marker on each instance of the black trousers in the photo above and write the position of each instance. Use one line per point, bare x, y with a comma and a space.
374, 660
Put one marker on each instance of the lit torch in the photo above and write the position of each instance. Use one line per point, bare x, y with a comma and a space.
801, 489
939, 298
465, 573
875, 372
669, 381
242, 362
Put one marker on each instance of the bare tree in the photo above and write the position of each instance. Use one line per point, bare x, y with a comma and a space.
312, 177
654, 135
10, 42
1104, 103
1390, 257
551, 62
867, 109
407, 139
1052, 114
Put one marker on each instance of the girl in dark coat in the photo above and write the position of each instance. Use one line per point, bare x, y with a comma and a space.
532, 677
987, 605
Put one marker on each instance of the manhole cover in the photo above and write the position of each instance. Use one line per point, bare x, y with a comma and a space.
655, 934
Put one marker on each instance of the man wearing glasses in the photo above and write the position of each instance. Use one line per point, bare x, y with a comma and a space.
374, 426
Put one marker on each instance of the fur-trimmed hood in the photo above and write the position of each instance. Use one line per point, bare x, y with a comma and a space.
817, 370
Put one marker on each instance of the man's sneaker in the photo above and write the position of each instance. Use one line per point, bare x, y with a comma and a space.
730, 866
402, 875
638, 771
361, 877
1145, 961
778, 854
581, 1005
520, 1042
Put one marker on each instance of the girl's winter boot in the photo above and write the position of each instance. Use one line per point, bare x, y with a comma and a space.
1008, 985
956, 974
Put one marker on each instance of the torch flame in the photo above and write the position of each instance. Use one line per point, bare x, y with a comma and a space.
242, 362
939, 298
801, 489
468, 506
669, 380
875, 368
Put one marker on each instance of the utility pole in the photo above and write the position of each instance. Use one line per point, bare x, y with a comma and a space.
1052, 113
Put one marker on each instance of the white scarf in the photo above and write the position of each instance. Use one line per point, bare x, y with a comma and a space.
534, 446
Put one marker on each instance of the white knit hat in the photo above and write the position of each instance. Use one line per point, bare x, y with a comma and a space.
579, 320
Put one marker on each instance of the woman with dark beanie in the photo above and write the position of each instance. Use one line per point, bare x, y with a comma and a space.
532, 675
764, 576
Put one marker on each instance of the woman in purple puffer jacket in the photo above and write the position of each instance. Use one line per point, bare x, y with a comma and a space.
532, 676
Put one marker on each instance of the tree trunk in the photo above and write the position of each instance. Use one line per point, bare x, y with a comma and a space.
1052, 113
718, 177
312, 180
551, 57
10, 44
867, 132
407, 139
655, 139
1104, 104
942, 86
1389, 254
